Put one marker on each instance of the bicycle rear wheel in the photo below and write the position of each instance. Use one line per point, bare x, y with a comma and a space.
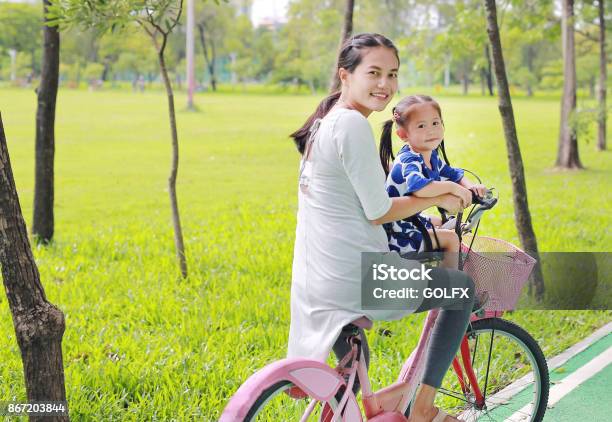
511, 372
275, 404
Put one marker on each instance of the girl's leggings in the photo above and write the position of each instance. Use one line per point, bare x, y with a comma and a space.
446, 335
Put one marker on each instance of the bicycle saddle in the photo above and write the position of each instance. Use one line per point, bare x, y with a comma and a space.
354, 326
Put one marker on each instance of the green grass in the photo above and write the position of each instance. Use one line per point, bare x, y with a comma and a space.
140, 342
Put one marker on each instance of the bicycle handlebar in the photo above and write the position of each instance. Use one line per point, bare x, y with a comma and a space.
482, 204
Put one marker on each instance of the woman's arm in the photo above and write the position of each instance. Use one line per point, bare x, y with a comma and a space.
436, 188
467, 183
406, 206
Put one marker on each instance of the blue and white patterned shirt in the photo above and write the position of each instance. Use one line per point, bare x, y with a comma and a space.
408, 174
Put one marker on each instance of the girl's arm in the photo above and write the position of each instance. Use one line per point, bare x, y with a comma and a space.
406, 206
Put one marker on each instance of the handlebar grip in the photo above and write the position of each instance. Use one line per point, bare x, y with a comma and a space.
477, 200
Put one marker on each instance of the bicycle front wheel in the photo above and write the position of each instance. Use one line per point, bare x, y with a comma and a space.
511, 373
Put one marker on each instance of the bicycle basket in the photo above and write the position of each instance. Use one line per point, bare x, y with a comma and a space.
499, 270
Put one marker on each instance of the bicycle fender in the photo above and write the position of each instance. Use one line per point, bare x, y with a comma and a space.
313, 377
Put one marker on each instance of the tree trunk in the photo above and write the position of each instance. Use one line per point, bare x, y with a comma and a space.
347, 30
489, 73
567, 155
530, 53
210, 61
447, 73
522, 215
42, 223
603, 80
483, 77
189, 50
176, 220
39, 326
211, 67
105, 71
465, 82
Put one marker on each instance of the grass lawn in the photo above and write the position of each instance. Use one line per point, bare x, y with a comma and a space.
143, 344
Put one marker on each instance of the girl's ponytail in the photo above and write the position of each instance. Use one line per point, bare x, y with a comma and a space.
300, 136
386, 147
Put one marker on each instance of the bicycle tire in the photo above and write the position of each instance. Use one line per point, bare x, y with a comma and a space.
512, 340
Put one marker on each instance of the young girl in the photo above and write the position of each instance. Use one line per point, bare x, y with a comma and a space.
419, 171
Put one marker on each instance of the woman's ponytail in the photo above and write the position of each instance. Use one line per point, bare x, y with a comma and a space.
300, 136
386, 146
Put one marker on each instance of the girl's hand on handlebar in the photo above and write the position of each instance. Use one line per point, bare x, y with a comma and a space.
464, 194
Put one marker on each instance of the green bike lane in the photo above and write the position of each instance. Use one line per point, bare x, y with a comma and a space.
580, 384
583, 385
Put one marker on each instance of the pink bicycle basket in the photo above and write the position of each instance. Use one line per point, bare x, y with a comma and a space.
499, 269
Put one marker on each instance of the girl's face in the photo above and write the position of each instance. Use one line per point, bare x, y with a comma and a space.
373, 83
424, 130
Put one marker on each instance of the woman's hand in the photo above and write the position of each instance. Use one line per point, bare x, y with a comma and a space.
480, 190
464, 194
451, 203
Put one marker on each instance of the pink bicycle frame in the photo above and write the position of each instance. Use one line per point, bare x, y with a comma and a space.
396, 397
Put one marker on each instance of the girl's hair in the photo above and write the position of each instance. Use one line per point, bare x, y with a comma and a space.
401, 115
349, 58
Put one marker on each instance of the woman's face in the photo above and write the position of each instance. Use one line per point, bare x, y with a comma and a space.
373, 83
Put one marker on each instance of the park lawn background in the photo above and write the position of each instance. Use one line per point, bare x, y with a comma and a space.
141, 343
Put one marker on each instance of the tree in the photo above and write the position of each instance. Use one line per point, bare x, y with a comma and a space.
39, 325
530, 34
308, 44
157, 18
462, 40
254, 50
603, 80
213, 20
127, 54
347, 30
210, 52
43, 221
20, 32
567, 155
522, 216
486, 70
189, 52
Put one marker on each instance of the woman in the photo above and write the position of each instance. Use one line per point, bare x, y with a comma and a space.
342, 204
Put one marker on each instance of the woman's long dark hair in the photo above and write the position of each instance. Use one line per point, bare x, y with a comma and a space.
401, 114
349, 58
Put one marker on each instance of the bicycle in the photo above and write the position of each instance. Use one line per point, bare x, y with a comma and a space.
500, 372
